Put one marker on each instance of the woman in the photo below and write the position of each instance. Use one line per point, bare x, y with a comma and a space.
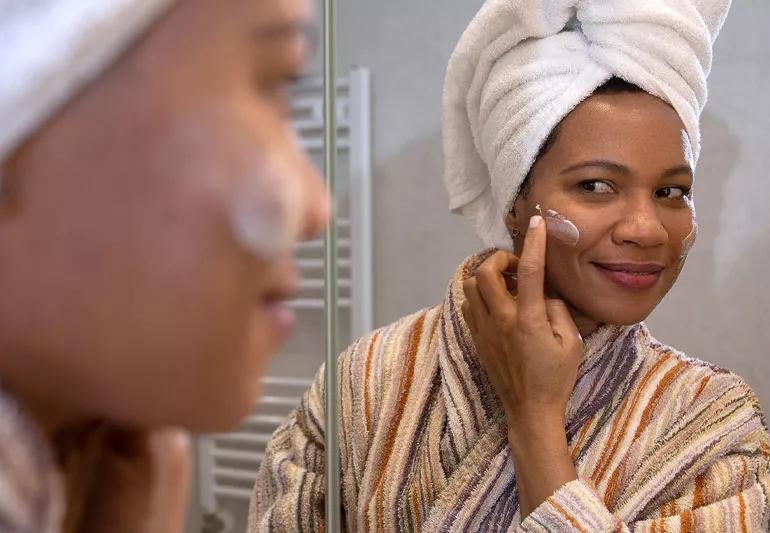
541, 402
147, 219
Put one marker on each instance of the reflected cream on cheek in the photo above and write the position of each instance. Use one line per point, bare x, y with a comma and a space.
263, 198
264, 214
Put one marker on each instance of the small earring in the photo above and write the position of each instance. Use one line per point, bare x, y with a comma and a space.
515, 232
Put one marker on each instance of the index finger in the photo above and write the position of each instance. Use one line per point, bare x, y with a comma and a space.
492, 284
531, 272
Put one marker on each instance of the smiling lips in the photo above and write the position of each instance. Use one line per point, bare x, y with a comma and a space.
634, 276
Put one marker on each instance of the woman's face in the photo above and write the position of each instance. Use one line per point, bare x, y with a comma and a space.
126, 292
621, 170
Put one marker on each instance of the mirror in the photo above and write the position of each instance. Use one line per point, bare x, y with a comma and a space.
399, 246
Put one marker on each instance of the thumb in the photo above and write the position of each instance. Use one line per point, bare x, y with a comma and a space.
170, 456
562, 324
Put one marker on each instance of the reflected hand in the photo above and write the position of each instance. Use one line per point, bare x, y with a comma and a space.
141, 483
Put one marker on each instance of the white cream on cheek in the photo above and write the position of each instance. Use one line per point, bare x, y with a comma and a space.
265, 213
264, 201
559, 226
689, 241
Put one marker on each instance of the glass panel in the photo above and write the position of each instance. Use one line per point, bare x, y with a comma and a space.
227, 463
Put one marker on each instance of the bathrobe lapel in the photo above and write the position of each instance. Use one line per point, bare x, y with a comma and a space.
480, 492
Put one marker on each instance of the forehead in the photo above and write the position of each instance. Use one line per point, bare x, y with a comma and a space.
624, 126
212, 15
277, 11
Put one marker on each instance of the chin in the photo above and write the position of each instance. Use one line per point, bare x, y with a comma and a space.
220, 415
222, 407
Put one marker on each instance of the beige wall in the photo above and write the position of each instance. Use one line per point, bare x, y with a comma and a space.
717, 310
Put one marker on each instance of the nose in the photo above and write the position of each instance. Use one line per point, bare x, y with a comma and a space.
640, 226
317, 207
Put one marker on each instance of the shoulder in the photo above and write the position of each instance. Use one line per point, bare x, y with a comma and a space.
702, 389
692, 370
383, 351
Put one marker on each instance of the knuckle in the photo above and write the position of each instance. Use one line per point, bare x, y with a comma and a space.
528, 267
504, 320
485, 271
556, 305
469, 285
526, 323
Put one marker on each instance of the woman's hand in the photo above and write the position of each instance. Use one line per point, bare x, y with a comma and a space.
529, 345
141, 483
530, 348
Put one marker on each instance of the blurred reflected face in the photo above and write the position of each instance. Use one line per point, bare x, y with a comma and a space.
146, 233
621, 170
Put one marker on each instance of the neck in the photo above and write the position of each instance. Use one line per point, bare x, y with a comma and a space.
585, 324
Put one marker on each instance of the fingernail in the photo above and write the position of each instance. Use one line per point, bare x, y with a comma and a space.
535, 221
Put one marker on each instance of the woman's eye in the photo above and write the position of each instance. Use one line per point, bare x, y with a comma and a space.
596, 187
276, 93
673, 193
275, 84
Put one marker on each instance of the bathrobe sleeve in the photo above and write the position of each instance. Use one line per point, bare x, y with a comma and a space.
730, 494
289, 493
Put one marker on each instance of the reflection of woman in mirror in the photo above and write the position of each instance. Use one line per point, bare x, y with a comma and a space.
147, 221
540, 402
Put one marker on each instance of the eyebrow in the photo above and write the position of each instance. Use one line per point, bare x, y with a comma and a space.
609, 165
288, 30
682, 169
622, 169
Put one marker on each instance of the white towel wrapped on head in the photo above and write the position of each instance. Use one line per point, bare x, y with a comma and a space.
523, 65
49, 49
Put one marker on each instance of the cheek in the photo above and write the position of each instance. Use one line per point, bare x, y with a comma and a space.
690, 229
575, 231
169, 299
568, 265
567, 221
247, 151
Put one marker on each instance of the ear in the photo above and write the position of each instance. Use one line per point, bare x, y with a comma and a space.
511, 221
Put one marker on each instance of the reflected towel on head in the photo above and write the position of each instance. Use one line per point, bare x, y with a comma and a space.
49, 49
523, 65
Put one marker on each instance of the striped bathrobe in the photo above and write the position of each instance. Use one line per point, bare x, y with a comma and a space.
661, 442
